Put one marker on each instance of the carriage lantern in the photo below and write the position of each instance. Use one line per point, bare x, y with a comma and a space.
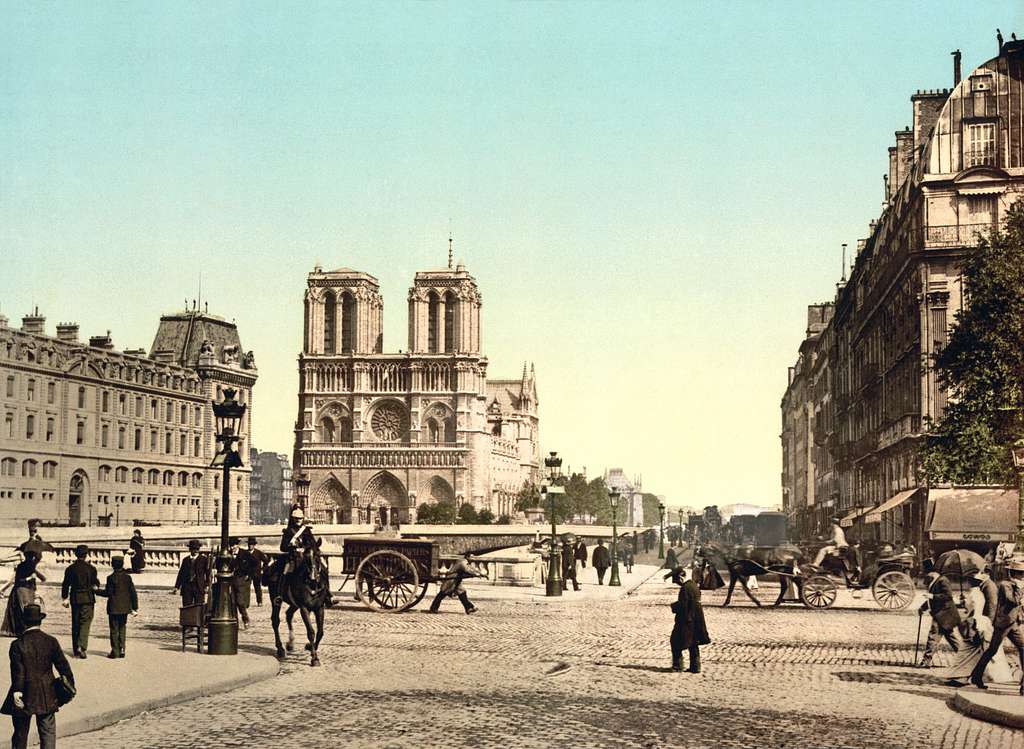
223, 628
613, 500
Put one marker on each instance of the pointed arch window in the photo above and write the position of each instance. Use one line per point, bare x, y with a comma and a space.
348, 323
326, 430
449, 322
330, 318
433, 304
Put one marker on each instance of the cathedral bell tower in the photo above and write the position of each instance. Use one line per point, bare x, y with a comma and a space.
444, 312
343, 313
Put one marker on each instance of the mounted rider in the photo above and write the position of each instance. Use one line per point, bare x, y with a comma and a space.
298, 542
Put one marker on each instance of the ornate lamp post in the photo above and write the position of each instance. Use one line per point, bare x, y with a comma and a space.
223, 629
661, 534
1017, 451
613, 498
554, 582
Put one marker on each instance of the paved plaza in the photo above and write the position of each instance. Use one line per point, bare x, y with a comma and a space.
587, 671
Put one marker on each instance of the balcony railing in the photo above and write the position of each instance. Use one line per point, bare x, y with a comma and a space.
378, 455
954, 235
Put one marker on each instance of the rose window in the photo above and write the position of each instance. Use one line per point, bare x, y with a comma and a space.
388, 422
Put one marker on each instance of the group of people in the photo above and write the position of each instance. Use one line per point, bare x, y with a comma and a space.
992, 613
574, 559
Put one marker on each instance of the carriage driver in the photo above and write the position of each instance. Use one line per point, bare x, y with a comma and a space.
836, 546
297, 539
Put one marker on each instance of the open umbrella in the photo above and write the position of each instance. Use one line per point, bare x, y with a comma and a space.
959, 563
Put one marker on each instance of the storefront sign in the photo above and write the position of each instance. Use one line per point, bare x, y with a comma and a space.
953, 536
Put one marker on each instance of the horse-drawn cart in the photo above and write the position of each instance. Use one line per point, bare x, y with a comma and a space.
889, 577
391, 574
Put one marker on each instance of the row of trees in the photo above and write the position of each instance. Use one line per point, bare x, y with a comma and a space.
588, 501
445, 513
982, 366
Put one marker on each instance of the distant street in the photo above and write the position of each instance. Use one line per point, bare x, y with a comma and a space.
585, 673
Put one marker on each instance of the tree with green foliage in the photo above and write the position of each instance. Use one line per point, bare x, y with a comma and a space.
982, 366
503, 520
467, 514
651, 502
528, 497
441, 513
485, 517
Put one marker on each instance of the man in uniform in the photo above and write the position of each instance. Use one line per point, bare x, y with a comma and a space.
193, 576
945, 617
297, 541
1008, 622
122, 600
79, 591
569, 563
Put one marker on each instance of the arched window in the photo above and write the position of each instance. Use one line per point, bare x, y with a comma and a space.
326, 429
168, 478
183, 479
197, 480
50, 470
330, 316
449, 322
121, 475
28, 468
154, 476
433, 303
345, 429
348, 323
434, 430
7, 466
104, 473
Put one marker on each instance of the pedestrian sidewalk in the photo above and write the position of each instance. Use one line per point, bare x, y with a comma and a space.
589, 589
152, 675
1000, 703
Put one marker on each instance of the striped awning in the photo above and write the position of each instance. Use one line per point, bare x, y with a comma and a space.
875, 516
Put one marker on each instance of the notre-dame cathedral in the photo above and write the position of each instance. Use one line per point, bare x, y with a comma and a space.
379, 432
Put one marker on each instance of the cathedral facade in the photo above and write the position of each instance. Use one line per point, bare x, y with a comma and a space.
377, 433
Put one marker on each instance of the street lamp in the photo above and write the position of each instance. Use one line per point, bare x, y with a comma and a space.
1017, 451
554, 582
613, 499
223, 629
680, 527
661, 534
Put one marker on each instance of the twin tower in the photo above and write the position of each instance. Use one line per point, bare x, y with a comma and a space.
344, 313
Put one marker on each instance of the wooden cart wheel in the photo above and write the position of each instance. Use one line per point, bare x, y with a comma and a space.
893, 590
819, 592
419, 596
387, 581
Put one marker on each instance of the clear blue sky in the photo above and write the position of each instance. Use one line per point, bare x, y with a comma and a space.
648, 194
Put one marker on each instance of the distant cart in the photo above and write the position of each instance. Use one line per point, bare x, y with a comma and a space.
391, 574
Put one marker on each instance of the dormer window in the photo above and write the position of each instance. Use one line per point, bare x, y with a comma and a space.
979, 144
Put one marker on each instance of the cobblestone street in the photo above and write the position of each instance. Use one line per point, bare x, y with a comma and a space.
593, 673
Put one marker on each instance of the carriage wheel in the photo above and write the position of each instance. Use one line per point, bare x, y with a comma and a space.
387, 581
819, 592
893, 590
419, 596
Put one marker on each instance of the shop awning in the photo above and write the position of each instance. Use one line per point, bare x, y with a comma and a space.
847, 521
875, 516
973, 514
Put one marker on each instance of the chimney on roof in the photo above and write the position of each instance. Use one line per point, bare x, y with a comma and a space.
104, 342
67, 332
927, 106
904, 156
956, 66
34, 323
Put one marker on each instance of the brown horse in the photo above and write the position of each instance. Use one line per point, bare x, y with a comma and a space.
304, 593
744, 562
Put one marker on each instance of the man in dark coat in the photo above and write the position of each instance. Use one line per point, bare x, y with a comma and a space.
137, 548
944, 614
580, 553
690, 630
627, 557
34, 655
298, 541
569, 563
79, 590
34, 542
601, 560
122, 600
260, 561
193, 576
242, 577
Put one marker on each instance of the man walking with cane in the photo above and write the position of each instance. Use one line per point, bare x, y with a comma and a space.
945, 617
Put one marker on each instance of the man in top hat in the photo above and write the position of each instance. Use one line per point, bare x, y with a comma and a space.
690, 630
193, 576
79, 591
569, 562
122, 600
34, 656
1007, 623
945, 616
260, 562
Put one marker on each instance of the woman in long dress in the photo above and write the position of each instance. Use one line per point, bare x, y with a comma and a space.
22, 594
977, 631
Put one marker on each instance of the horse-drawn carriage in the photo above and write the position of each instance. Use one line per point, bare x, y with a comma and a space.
887, 573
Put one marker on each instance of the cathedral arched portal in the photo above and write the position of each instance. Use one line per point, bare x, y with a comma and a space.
441, 490
331, 503
387, 499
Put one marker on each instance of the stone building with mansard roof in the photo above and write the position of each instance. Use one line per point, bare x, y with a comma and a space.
379, 432
92, 435
861, 397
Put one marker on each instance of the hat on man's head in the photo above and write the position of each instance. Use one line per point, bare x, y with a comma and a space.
117, 562
252, 540
677, 574
32, 615
81, 550
297, 512
234, 541
195, 545
1015, 565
